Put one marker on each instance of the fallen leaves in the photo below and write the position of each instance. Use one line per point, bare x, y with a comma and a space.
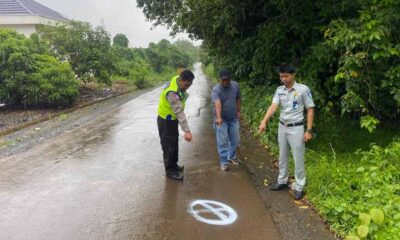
266, 182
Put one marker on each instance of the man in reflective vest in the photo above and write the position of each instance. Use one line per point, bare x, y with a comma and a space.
170, 114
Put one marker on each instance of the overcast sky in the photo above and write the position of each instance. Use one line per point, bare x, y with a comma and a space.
118, 16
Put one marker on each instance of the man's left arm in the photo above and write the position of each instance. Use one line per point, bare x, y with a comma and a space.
310, 121
238, 106
309, 104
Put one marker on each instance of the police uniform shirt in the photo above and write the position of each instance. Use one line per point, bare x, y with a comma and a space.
292, 102
177, 108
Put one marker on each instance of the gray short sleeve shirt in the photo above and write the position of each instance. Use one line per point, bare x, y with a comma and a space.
292, 102
228, 97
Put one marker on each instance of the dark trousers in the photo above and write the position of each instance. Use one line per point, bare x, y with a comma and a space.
169, 136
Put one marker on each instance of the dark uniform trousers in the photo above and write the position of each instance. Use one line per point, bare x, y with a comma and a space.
169, 136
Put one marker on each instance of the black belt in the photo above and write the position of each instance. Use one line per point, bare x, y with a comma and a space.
292, 124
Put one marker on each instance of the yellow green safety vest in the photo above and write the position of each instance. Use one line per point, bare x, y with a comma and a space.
164, 107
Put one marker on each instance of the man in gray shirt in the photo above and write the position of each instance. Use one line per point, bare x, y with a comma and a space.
226, 98
292, 98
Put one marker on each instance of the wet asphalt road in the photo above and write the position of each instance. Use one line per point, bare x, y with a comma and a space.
105, 180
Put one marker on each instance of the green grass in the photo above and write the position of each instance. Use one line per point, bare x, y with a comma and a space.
210, 72
63, 117
345, 135
165, 76
150, 79
6, 143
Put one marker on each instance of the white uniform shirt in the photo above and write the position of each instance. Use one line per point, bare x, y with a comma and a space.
292, 102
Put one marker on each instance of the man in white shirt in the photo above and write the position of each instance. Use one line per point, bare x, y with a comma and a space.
292, 98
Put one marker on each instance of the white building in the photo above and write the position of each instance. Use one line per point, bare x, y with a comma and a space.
25, 15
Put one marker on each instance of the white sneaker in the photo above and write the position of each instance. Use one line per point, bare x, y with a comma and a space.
224, 167
234, 161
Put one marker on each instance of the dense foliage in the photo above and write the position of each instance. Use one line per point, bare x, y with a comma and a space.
120, 40
347, 51
88, 50
31, 77
166, 54
48, 68
158, 62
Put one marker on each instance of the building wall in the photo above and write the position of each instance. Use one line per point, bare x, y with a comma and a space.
25, 24
26, 29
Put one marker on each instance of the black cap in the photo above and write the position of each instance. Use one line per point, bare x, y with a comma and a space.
225, 74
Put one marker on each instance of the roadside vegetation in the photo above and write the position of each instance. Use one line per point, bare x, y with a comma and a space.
348, 53
53, 67
353, 177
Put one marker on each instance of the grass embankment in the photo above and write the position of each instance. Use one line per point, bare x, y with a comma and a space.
353, 177
149, 79
210, 72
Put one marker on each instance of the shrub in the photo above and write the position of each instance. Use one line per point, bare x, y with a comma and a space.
29, 78
52, 84
139, 74
140, 83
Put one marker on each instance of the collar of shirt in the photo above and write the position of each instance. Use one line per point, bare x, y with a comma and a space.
295, 86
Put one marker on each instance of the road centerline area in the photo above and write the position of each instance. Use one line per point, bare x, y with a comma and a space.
106, 180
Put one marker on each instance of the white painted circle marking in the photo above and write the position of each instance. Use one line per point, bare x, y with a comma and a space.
224, 214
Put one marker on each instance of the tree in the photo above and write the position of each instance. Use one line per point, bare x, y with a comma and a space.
347, 51
163, 54
187, 47
87, 50
120, 40
29, 77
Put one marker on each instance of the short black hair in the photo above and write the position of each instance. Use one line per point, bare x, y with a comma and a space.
225, 74
287, 68
186, 75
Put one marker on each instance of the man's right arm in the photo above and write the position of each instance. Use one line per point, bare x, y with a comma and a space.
177, 108
271, 110
218, 107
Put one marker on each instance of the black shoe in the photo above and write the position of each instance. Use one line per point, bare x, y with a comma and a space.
278, 187
175, 176
180, 168
298, 195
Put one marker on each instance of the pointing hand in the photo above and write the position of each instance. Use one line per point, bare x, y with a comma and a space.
262, 127
188, 136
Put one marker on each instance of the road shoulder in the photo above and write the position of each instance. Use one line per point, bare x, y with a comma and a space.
294, 220
34, 134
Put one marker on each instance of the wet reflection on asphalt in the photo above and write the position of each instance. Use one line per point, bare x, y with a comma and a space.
105, 180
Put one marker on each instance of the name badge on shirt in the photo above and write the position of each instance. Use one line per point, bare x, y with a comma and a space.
295, 105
